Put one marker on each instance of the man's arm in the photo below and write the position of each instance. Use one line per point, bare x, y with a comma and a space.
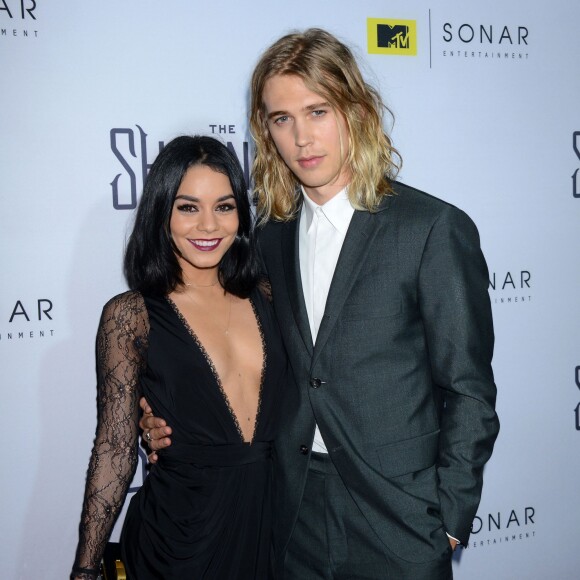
156, 433
456, 312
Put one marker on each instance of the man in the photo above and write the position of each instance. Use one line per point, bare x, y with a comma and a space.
381, 293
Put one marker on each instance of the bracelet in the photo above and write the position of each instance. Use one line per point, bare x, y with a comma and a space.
77, 571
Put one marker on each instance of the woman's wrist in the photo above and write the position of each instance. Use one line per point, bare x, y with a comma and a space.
79, 573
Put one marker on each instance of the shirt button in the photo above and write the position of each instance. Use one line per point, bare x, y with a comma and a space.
315, 383
304, 450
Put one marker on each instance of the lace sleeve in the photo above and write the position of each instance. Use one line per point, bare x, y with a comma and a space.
121, 349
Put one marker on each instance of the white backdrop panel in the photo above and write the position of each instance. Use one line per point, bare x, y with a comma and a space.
492, 134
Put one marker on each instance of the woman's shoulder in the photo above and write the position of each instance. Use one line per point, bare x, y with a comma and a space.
264, 288
127, 309
130, 300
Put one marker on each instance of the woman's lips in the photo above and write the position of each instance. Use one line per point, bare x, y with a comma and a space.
310, 162
205, 245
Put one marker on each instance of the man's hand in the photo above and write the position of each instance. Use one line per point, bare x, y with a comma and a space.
155, 430
453, 543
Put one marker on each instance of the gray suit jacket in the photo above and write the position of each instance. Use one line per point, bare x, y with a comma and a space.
400, 380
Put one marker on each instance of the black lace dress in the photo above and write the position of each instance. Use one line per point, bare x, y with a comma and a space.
204, 510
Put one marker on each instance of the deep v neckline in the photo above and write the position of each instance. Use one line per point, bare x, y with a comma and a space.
215, 374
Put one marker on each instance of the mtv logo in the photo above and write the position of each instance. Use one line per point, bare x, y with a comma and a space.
393, 36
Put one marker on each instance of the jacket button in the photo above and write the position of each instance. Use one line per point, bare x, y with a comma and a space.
315, 383
304, 450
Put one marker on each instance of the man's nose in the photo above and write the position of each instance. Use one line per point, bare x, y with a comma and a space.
302, 136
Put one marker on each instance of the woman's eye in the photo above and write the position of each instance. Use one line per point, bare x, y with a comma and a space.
281, 120
318, 113
226, 207
187, 208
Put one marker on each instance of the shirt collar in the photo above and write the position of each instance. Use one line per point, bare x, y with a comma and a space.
337, 211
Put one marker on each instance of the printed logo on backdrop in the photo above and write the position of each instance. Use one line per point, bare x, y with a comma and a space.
18, 19
503, 527
511, 286
397, 37
490, 40
136, 154
575, 179
577, 409
25, 320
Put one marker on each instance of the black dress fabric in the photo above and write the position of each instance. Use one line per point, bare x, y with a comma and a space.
204, 511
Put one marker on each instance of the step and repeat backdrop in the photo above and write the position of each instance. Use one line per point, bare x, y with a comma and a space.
486, 104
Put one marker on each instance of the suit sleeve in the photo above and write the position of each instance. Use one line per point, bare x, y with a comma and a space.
456, 313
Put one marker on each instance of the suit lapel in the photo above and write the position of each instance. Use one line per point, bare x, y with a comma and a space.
291, 261
357, 244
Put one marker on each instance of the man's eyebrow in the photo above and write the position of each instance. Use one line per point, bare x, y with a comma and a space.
276, 114
308, 108
317, 106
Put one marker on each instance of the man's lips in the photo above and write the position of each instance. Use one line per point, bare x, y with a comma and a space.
205, 245
310, 162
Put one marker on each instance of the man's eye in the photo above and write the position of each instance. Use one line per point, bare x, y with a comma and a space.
281, 120
319, 113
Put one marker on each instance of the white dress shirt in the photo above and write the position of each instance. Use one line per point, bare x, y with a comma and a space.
321, 235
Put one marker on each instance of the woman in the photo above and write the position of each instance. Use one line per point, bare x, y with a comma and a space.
197, 337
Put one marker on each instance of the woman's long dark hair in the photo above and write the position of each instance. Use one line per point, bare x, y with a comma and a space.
151, 265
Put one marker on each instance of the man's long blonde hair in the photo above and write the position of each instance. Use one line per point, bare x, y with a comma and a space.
328, 68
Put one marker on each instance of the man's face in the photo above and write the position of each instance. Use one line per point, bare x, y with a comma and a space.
311, 136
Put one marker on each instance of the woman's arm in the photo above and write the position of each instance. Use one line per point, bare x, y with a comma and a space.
121, 349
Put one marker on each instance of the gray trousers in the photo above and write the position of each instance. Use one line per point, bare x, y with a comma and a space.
332, 539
